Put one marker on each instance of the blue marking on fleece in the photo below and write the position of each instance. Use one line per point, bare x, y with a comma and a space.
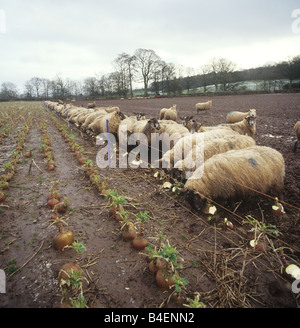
253, 162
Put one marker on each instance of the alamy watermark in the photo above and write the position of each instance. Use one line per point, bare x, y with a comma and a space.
296, 22
296, 286
2, 22
138, 156
2, 282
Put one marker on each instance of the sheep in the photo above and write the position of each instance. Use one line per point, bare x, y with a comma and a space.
91, 105
92, 117
80, 118
245, 127
190, 124
234, 117
203, 106
188, 142
171, 112
171, 133
147, 127
112, 109
100, 126
126, 128
236, 174
297, 130
200, 153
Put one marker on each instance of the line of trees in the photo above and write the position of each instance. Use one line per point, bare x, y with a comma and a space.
144, 67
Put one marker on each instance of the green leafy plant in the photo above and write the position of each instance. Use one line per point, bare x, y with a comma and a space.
195, 303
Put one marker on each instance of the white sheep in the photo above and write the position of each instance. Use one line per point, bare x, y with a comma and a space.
234, 117
188, 142
112, 109
245, 127
92, 117
200, 153
171, 133
100, 124
237, 174
190, 124
126, 127
91, 105
203, 106
147, 127
170, 112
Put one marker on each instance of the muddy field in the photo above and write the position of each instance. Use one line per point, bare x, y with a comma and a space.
219, 264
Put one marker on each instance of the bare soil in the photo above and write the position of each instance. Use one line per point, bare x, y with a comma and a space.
219, 265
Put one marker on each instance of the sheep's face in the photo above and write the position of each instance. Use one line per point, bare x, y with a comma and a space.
154, 124
122, 116
252, 112
250, 120
185, 120
139, 116
194, 200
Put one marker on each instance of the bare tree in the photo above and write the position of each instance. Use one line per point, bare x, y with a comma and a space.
146, 63
204, 77
8, 91
222, 70
91, 87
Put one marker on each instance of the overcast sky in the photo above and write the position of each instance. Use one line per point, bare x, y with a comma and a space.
78, 39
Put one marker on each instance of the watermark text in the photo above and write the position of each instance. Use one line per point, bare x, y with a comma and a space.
2, 22
296, 22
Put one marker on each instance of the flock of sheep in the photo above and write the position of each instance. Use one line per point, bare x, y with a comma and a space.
232, 165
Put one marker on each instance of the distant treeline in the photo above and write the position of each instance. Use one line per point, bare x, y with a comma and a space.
158, 77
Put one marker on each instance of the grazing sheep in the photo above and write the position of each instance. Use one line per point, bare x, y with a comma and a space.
169, 112
126, 128
190, 124
246, 127
188, 142
234, 117
237, 174
171, 133
92, 117
91, 105
112, 109
147, 127
80, 118
99, 125
297, 130
185, 167
203, 106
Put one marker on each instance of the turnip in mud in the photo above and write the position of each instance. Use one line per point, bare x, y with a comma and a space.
140, 242
61, 207
63, 239
128, 230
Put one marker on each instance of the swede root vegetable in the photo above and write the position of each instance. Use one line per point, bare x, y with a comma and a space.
63, 239
61, 207
2, 197
67, 271
164, 279
140, 242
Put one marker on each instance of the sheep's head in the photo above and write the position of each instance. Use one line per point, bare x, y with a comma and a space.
121, 115
186, 119
252, 112
154, 124
139, 116
250, 121
194, 200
